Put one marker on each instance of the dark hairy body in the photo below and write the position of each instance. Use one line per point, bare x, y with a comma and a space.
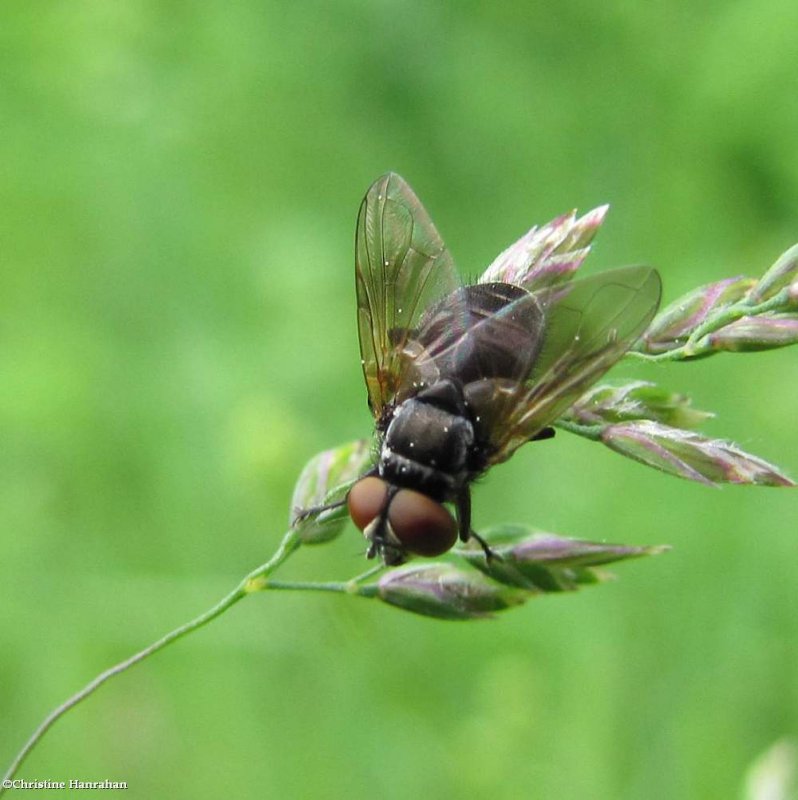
459, 376
434, 442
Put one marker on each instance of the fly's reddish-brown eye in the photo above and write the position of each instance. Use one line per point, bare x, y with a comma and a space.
423, 526
366, 500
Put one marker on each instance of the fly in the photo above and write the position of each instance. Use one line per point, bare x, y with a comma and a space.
459, 377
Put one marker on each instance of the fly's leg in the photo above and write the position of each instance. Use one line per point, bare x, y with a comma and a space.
489, 554
301, 514
463, 510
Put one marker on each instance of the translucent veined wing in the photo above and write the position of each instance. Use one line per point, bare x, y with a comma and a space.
401, 267
588, 324
486, 330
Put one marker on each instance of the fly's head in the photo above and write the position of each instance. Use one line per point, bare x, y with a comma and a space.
400, 522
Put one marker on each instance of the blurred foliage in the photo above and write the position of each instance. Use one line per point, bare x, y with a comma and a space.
179, 189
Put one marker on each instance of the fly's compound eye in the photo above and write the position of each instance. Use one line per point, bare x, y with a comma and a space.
366, 500
421, 525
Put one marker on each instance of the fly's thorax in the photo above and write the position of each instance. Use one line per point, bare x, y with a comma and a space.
430, 435
427, 448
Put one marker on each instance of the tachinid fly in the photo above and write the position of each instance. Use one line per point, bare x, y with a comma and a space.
459, 377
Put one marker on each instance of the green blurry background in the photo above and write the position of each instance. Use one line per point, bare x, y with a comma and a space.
178, 185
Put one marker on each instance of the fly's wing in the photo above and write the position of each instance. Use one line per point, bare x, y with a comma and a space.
588, 325
487, 330
401, 267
